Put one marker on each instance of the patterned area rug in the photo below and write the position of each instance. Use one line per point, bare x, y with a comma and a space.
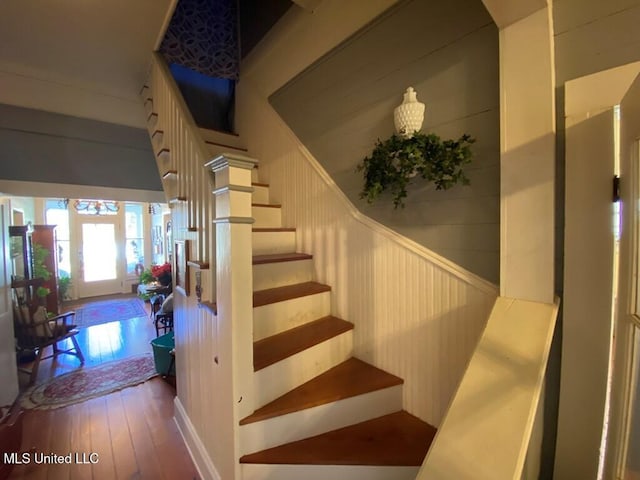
91, 382
105, 311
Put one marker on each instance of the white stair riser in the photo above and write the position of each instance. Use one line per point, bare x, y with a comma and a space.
279, 274
152, 123
265, 243
325, 472
164, 162
258, 436
277, 379
280, 316
157, 140
260, 194
267, 217
216, 150
148, 106
145, 93
221, 137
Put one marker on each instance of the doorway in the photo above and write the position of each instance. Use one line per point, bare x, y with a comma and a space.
103, 251
624, 459
596, 379
98, 257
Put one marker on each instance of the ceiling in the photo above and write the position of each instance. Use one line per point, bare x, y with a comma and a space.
85, 58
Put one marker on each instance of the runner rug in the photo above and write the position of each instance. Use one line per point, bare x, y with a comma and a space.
105, 311
85, 383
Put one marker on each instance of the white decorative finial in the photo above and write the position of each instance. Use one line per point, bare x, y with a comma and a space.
409, 115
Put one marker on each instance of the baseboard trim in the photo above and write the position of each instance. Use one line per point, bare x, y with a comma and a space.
198, 452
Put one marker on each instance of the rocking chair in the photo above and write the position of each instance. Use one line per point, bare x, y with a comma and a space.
34, 331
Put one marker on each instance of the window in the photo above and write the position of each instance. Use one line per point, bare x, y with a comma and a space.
134, 228
56, 213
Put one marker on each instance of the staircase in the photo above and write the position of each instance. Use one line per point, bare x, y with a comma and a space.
324, 413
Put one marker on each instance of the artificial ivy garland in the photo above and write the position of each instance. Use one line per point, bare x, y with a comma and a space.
394, 162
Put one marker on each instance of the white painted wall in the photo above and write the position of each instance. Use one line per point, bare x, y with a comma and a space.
527, 172
417, 318
341, 106
588, 293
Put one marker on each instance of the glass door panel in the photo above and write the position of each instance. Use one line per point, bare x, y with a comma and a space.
99, 252
99, 258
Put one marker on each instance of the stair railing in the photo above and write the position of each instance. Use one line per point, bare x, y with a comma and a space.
180, 155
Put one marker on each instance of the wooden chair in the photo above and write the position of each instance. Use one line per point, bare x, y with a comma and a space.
35, 331
163, 322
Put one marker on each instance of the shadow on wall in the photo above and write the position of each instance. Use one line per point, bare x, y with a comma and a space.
344, 102
210, 100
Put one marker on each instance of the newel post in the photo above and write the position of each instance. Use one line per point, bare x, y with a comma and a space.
234, 276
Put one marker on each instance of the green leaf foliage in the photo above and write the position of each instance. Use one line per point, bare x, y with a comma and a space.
397, 161
40, 255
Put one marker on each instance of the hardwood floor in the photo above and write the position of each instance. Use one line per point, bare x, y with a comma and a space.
99, 344
131, 431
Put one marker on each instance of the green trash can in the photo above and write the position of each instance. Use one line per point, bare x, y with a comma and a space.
162, 354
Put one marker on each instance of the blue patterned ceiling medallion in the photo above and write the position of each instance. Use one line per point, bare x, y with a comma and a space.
203, 36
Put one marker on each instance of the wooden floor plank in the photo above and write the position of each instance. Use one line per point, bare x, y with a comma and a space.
101, 439
60, 445
80, 426
121, 444
146, 456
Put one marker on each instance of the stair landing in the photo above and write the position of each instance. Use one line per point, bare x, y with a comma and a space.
398, 439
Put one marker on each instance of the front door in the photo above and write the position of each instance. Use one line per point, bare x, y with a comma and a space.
624, 452
99, 255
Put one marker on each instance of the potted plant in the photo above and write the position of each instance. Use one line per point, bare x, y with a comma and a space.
162, 273
395, 162
64, 282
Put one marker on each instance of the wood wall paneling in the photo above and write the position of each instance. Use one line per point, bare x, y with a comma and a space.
340, 105
412, 318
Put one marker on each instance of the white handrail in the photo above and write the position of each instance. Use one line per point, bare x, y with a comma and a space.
487, 430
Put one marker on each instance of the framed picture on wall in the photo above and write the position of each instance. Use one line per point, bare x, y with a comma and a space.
181, 254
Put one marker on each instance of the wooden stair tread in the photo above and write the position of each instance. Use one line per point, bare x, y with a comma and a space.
224, 145
277, 347
397, 439
266, 205
258, 184
280, 257
272, 229
288, 292
349, 379
221, 132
